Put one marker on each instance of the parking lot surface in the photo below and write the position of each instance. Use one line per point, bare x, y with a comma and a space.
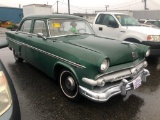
40, 97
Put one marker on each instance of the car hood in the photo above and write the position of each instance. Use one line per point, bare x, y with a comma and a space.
117, 52
144, 30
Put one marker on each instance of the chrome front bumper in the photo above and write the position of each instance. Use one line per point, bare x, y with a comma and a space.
122, 88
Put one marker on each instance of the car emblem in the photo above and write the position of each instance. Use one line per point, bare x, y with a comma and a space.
133, 54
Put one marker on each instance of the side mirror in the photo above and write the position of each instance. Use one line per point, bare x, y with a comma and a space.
113, 24
3, 43
40, 35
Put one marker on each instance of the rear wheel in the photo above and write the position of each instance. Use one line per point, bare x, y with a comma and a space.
69, 85
16, 57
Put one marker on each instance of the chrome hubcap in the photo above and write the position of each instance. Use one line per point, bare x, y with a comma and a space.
70, 83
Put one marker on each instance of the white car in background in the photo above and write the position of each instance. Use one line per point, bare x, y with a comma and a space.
120, 26
150, 23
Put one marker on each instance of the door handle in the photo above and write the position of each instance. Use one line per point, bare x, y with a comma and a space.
100, 28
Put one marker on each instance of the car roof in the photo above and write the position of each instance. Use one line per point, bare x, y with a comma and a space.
112, 13
53, 16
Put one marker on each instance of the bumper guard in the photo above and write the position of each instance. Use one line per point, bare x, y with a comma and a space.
122, 88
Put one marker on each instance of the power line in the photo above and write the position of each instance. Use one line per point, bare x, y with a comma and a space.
113, 7
73, 6
93, 8
126, 5
61, 3
154, 2
54, 4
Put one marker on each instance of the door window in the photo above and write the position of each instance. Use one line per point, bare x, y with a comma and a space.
100, 19
26, 26
108, 20
40, 27
105, 19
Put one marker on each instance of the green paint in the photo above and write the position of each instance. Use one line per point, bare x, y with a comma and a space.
88, 51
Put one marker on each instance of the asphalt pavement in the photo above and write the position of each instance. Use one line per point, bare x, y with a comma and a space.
40, 97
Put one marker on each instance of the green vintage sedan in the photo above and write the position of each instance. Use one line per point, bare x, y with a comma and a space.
66, 48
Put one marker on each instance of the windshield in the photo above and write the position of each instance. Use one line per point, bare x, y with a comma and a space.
127, 20
62, 27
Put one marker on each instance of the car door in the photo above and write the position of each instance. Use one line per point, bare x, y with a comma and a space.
107, 26
37, 53
22, 37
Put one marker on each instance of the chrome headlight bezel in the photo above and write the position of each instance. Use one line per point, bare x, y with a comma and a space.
5, 99
147, 53
104, 65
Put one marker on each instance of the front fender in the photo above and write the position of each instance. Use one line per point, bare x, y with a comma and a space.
67, 66
133, 34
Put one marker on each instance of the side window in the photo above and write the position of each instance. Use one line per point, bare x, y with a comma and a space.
40, 27
105, 20
99, 19
108, 20
26, 25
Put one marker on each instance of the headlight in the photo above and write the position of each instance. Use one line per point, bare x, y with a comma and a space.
148, 53
5, 95
104, 66
155, 38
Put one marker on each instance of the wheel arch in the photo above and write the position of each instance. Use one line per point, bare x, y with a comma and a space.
59, 66
134, 40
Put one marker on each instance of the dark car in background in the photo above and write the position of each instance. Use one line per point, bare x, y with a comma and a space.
9, 105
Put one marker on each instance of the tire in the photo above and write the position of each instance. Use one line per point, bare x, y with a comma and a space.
69, 86
16, 57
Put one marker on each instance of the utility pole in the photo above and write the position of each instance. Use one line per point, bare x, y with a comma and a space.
106, 6
145, 4
86, 11
57, 6
69, 7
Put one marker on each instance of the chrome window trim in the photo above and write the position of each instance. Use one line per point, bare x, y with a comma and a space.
47, 53
48, 28
21, 24
29, 34
22, 32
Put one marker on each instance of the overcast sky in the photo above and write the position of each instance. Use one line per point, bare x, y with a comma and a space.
88, 6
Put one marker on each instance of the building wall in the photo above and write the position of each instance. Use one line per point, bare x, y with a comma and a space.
28, 10
37, 9
12, 14
147, 14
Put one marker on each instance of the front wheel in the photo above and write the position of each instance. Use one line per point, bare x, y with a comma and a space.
69, 86
16, 57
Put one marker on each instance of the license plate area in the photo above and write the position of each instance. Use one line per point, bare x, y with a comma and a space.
137, 82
